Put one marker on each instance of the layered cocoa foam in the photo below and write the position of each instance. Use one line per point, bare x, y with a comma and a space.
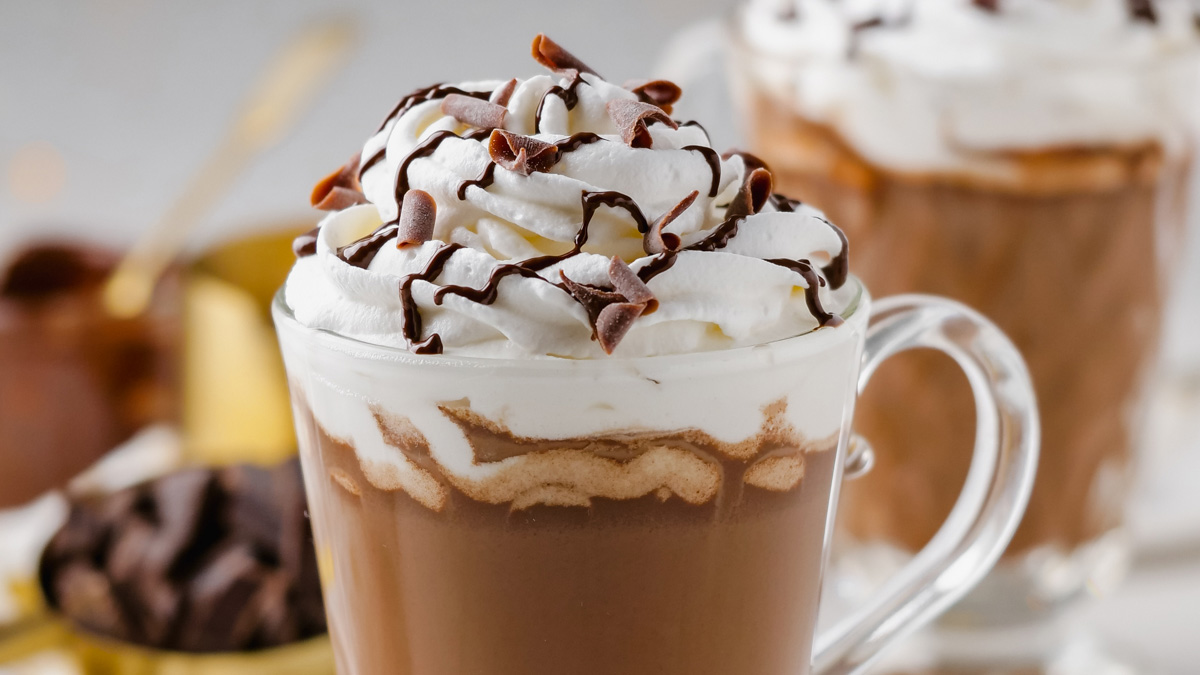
1067, 249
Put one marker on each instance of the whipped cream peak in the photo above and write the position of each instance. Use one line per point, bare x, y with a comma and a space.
561, 215
946, 85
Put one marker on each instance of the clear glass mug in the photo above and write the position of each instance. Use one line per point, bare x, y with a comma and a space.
663, 514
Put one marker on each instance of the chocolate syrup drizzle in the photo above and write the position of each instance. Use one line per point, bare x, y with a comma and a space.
412, 314
483, 182
569, 97
714, 163
529, 269
811, 294
362, 252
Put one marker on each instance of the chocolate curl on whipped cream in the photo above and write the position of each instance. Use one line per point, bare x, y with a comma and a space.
474, 112
611, 314
751, 196
662, 93
340, 189
551, 55
626, 282
990, 6
633, 119
504, 92
655, 240
418, 212
522, 154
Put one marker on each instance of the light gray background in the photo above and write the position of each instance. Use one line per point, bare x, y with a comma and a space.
108, 106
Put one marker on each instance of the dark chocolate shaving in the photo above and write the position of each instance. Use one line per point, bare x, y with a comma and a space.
418, 212
360, 253
522, 154
551, 55
626, 282
751, 196
474, 112
1143, 10
503, 93
614, 322
611, 314
340, 189
633, 118
657, 241
662, 93
306, 244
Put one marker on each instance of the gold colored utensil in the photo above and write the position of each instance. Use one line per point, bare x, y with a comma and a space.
286, 88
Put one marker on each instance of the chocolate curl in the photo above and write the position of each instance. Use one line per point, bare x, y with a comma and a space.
614, 322
633, 118
522, 154
504, 92
655, 240
751, 197
662, 93
629, 284
548, 53
474, 112
340, 189
989, 6
418, 212
593, 299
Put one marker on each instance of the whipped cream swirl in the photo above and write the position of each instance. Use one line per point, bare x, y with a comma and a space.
930, 85
585, 218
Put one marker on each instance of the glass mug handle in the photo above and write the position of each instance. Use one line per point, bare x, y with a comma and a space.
997, 487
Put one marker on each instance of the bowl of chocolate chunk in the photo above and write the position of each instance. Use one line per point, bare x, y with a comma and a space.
205, 570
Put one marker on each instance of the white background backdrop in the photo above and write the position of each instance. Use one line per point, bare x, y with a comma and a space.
108, 106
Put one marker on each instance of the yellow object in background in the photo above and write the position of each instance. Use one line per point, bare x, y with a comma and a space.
236, 406
53, 647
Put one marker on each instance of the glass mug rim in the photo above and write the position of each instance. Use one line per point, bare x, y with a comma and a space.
856, 317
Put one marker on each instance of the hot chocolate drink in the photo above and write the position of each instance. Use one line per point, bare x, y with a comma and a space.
978, 150
572, 390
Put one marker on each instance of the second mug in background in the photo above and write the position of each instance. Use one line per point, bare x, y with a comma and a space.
1033, 163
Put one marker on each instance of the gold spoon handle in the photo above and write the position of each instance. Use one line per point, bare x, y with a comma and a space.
286, 87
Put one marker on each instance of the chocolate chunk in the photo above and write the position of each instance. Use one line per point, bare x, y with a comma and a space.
504, 92
181, 500
474, 112
633, 117
418, 213
1143, 10
340, 189
306, 244
655, 240
662, 93
220, 595
548, 53
86, 595
522, 154
751, 197
249, 509
627, 283
614, 322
